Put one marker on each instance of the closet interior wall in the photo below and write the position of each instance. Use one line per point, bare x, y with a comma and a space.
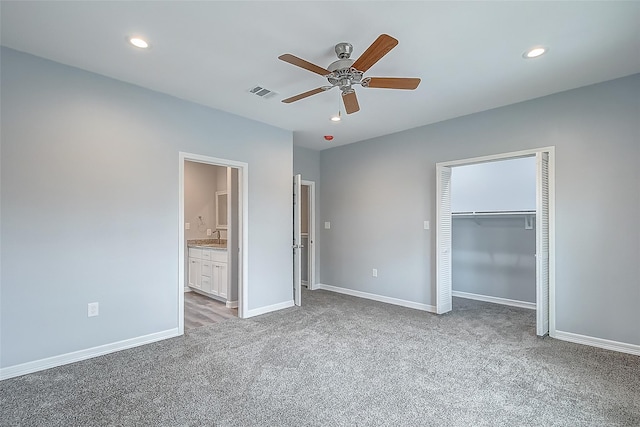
493, 230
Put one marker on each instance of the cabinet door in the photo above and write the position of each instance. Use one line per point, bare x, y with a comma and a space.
206, 284
221, 275
194, 273
214, 278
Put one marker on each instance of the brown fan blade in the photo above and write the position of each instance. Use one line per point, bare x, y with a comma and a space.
379, 48
392, 82
303, 95
350, 102
299, 62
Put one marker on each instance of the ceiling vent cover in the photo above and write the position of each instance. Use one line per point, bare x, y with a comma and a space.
262, 92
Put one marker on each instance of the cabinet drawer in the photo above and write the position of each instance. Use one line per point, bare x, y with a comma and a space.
219, 256
206, 254
195, 253
206, 268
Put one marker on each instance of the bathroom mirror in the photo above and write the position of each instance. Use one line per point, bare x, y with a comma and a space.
221, 210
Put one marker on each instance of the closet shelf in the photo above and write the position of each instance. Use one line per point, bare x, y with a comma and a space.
492, 213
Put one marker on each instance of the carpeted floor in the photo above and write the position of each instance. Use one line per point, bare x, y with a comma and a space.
341, 361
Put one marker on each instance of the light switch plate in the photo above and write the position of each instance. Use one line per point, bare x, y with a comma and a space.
426, 225
92, 309
187, 226
327, 225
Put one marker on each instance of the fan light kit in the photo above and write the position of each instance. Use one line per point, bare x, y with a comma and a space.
534, 52
336, 118
138, 42
345, 72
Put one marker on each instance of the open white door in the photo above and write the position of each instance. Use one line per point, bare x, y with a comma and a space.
443, 240
297, 241
542, 244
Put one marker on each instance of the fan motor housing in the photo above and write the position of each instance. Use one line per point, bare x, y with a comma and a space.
340, 64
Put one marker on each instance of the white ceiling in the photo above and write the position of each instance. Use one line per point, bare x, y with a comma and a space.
468, 54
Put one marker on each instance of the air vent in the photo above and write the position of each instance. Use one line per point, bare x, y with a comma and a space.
262, 92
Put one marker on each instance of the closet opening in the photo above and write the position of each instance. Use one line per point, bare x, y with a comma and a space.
495, 232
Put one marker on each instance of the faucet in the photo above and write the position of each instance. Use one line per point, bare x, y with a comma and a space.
217, 231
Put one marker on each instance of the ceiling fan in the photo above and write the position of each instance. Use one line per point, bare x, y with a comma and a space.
345, 72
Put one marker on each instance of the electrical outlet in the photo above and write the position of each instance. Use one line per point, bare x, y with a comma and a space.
426, 225
375, 272
327, 225
92, 309
187, 226
208, 232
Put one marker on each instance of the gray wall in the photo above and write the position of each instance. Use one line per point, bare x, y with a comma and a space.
306, 162
378, 192
89, 206
506, 185
494, 256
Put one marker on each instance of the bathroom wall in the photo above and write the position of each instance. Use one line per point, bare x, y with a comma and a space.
201, 181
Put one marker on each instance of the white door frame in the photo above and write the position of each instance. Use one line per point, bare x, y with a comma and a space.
552, 228
312, 233
243, 229
296, 241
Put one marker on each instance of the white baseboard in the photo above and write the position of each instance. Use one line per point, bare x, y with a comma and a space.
268, 309
598, 342
495, 300
376, 297
76, 356
232, 304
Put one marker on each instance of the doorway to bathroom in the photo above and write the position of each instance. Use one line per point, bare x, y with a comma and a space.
213, 235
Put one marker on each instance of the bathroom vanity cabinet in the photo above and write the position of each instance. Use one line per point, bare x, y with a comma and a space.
208, 271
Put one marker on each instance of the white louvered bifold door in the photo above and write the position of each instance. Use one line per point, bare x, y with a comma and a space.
443, 240
542, 244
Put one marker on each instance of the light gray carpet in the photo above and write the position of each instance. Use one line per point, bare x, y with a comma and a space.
341, 361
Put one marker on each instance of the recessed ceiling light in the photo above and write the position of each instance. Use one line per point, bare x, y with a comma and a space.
138, 42
534, 52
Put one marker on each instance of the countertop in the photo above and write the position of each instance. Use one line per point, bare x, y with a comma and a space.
207, 244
